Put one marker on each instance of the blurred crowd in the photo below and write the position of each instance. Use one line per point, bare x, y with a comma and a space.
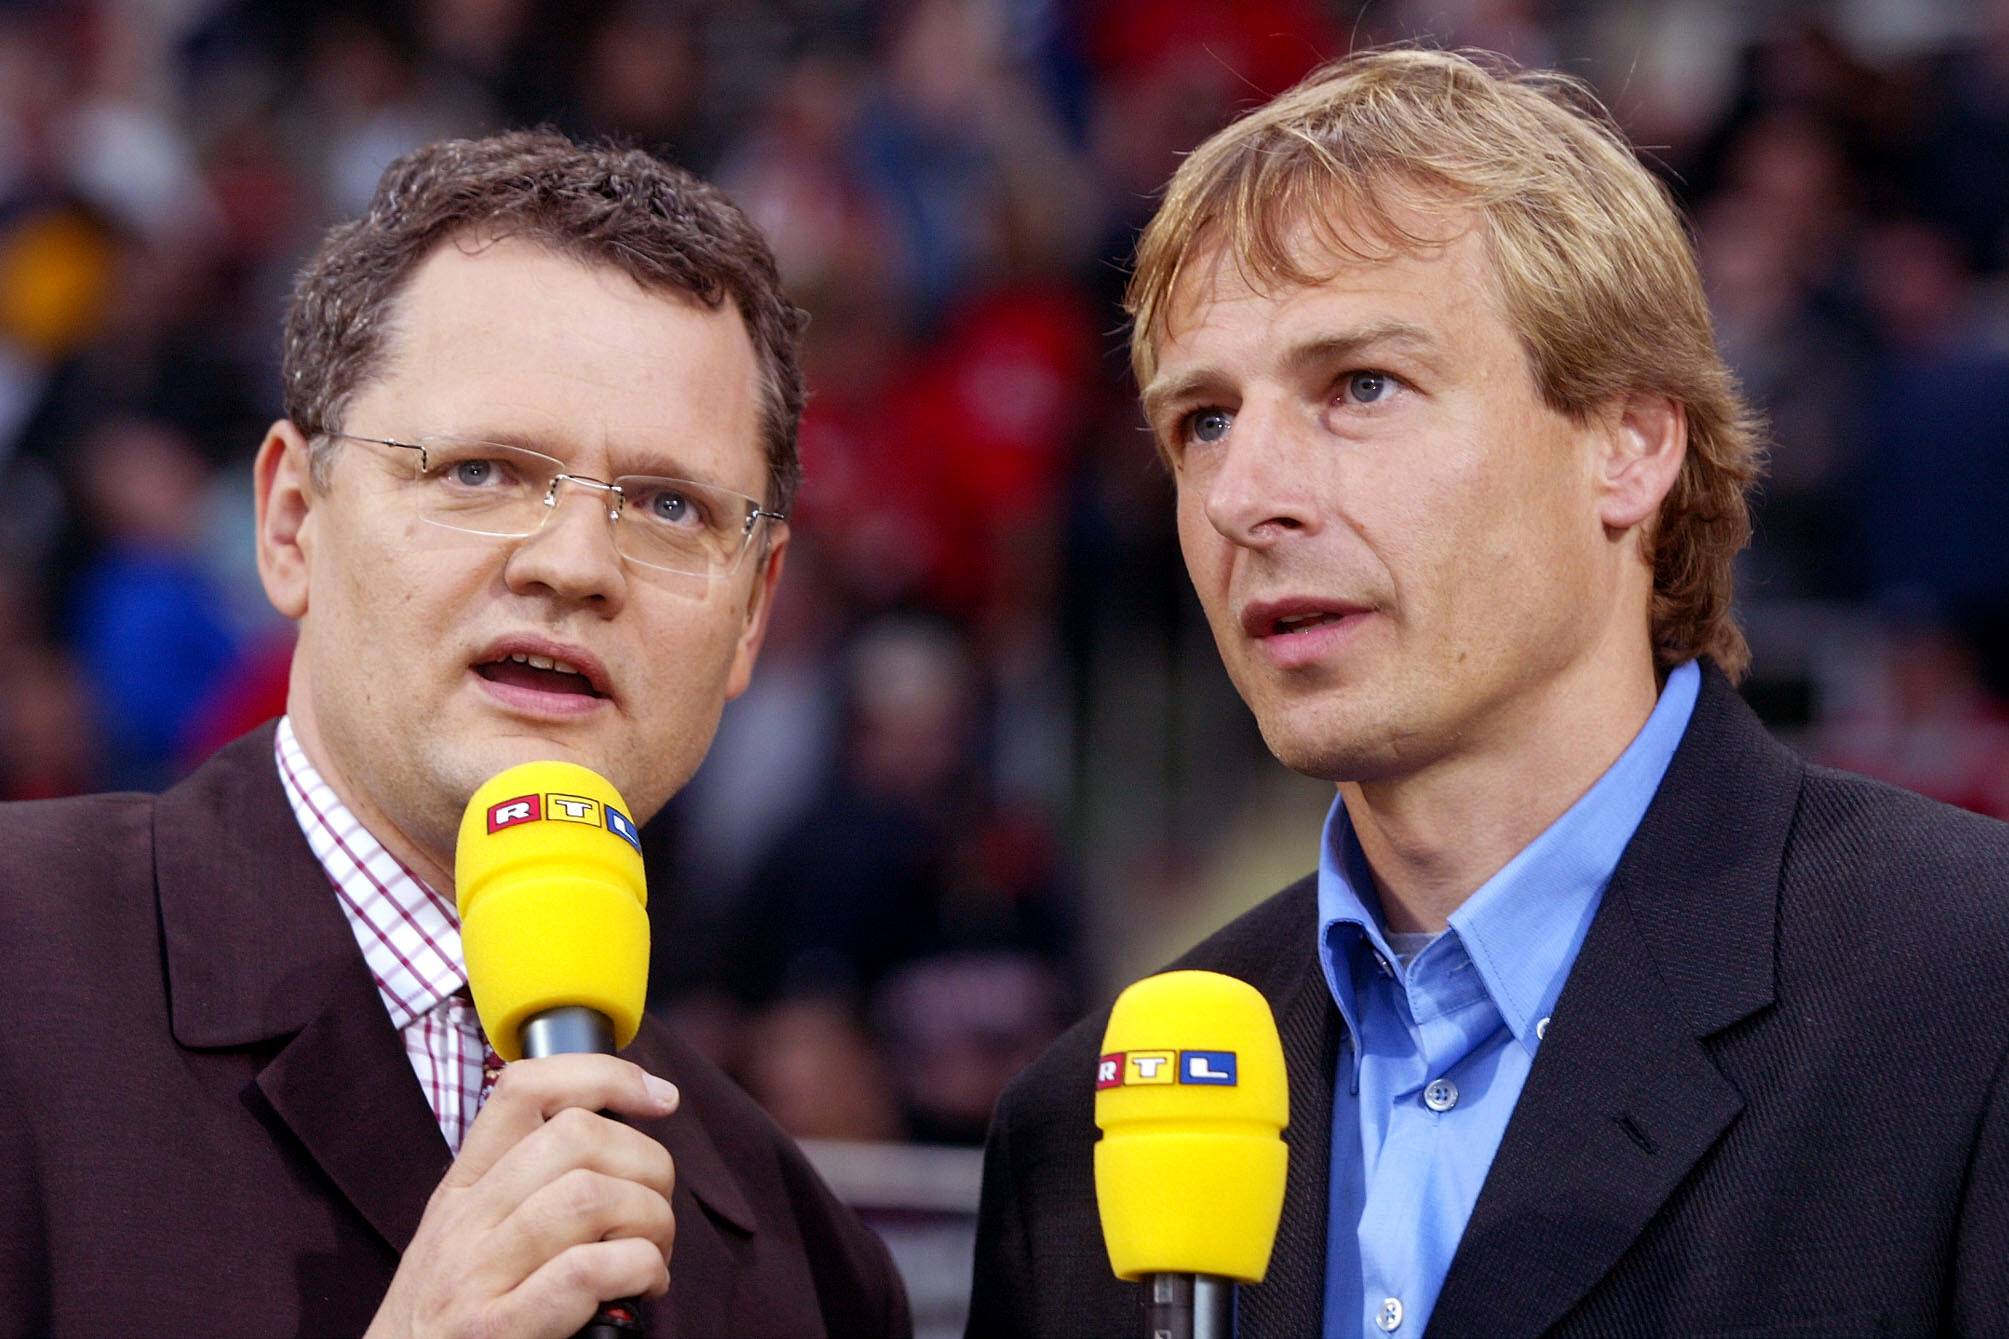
988, 736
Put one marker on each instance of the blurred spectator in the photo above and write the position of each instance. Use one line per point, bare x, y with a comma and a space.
369, 95
1925, 721
808, 1062
899, 892
958, 1026
952, 140
1936, 416
46, 744
1803, 358
152, 640
1964, 141
859, 883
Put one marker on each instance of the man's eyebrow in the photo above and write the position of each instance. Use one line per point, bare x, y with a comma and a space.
646, 461
1307, 354
1161, 394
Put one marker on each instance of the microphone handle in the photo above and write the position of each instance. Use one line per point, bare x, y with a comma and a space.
1188, 1306
570, 1029
573, 1029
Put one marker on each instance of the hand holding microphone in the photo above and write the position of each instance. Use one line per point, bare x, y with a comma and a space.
1191, 1099
551, 1208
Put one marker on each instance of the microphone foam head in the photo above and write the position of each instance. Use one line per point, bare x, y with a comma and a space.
553, 907
1191, 1099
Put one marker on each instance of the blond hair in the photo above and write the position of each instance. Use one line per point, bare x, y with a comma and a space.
1591, 266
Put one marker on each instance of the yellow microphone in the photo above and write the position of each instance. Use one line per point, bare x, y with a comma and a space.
554, 923
1191, 1099
553, 911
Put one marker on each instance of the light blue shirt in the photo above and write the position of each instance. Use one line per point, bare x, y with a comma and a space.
1436, 1051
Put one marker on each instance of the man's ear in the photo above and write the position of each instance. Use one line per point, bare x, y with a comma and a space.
759, 606
283, 480
1644, 447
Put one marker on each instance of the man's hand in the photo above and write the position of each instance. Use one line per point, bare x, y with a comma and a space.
550, 1209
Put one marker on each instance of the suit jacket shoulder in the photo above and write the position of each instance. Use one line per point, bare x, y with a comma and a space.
210, 1126
1774, 1076
798, 1261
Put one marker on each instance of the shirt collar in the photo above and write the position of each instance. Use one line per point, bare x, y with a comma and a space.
1523, 926
409, 933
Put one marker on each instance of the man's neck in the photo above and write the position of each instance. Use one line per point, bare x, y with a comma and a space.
1433, 836
425, 865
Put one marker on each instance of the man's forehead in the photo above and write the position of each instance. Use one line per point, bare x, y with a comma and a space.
508, 339
1407, 285
1338, 242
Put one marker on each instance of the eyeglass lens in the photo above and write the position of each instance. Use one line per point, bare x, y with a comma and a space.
489, 488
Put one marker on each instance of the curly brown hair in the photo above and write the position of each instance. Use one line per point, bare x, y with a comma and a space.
600, 204
1590, 264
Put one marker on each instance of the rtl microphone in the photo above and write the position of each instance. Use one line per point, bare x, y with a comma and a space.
554, 923
1191, 1099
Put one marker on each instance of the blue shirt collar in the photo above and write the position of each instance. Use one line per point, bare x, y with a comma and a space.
1522, 927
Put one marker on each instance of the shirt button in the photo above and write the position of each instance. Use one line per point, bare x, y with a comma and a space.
1389, 1318
1542, 1030
1441, 1095
1382, 963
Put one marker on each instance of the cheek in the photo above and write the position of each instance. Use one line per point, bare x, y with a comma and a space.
684, 651
1207, 554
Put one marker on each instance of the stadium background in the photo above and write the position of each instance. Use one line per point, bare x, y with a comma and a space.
990, 766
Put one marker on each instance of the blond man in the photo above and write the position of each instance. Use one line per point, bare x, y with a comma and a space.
1603, 1011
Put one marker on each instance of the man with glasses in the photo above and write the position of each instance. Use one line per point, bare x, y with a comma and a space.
528, 501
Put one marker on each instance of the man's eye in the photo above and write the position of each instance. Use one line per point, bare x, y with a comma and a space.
673, 508
474, 473
1369, 387
1208, 425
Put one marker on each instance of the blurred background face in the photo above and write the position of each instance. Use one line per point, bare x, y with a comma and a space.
1395, 541
404, 671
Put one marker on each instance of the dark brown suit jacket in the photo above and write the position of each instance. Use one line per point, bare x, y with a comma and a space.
209, 1127
1774, 1098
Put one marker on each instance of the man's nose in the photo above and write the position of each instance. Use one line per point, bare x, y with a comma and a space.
1261, 488
572, 554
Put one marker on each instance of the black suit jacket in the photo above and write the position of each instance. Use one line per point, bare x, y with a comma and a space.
1771, 1100
208, 1126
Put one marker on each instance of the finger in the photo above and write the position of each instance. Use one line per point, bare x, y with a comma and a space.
558, 1299
574, 1139
581, 1207
530, 1092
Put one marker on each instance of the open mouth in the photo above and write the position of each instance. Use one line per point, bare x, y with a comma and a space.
1299, 623
540, 673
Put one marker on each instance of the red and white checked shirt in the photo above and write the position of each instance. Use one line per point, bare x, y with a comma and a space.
410, 937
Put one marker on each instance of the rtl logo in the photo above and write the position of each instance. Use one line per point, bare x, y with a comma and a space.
1134, 1069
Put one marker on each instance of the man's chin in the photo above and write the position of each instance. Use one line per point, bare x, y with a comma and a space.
1328, 747
465, 765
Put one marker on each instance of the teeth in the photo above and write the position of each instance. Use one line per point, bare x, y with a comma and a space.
546, 663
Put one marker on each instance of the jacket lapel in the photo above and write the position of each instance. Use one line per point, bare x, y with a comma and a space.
1624, 1098
260, 958
1291, 1300
714, 1213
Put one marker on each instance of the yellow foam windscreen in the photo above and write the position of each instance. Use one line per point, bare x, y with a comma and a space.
1191, 1099
553, 907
